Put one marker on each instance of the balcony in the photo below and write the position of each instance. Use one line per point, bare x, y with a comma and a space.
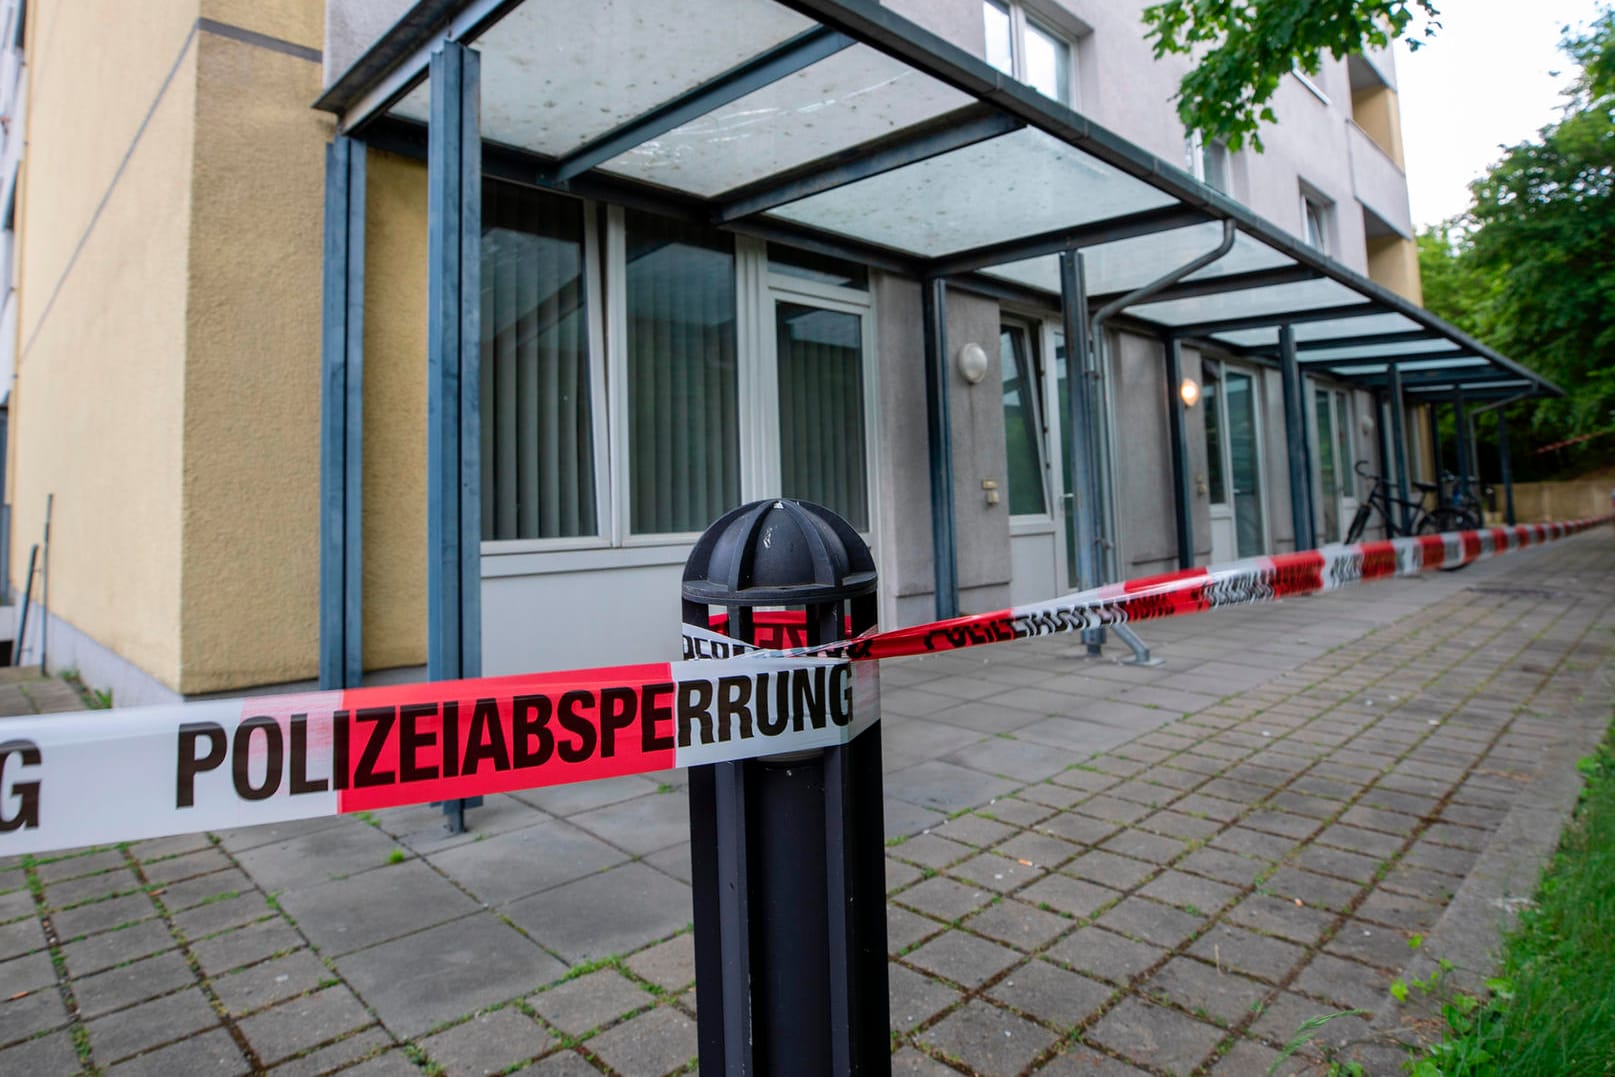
1379, 184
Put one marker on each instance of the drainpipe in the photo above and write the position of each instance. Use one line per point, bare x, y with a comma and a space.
1096, 354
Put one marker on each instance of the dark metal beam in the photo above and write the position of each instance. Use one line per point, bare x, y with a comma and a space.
1146, 222
1218, 285
939, 436
1377, 360
1269, 321
1418, 379
1178, 435
1366, 339
764, 69
1460, 425
952, 131
1084, 492
1503, 463
1295, 436
342, 418
1399, 431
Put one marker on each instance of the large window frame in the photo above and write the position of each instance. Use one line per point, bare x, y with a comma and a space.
1022, 24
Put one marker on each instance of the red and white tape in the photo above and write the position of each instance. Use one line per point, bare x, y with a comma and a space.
96, 777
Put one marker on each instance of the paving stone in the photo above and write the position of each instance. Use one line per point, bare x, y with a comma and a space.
1110, 869
577, 1006
1015, 811
142, 1027
1223, 998
327, 853
301, 1023
1211, 807
343, 1052
1052, 994
1399, 910
1150, 921
963, 958
222, 915
391, 1064
1248, 1057
22, 937
213, 1054
73, 867
946, 787
163, 848
1371, 944
568, 800
1107, 956
1085, 1062
1276, 916
988, 1039
1020, 760
1356, 839
904, 929
1255, 843
420, 981
26, 973
343, 916
1338, 862
1244, 951
1142, 845
1155, 1036
271, 981
161, 872
1223, 866
1175, 824
648, 1045
997, 873
489, 1043
669, 965
188, 893
975, 830
915, 998
1284, 1018
1447, 859
243, 946
641, 825
1422, 882
899, 874
15, 905
944, 898
1345, 983
135, 982
38, 1010
1113, 809
1319, 890
930, 851
1078, 828
1043, 850
1074, 897
910, 1063
1190, 892
45, 1056
115, 947
102, 916
1019, 925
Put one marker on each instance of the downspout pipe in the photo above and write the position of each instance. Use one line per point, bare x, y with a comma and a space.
1096, 324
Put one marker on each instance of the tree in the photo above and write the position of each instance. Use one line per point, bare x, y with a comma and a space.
1253, 44
1531, 267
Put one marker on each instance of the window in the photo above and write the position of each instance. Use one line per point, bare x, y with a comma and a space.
1315, 221
1208, 162
683, 410
1023, 426
819, 353
1023, 47
538, 436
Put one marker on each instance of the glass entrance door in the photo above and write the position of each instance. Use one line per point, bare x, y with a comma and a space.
1332, 451
1234, 463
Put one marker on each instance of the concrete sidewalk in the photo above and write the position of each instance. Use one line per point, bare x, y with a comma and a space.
1093, 868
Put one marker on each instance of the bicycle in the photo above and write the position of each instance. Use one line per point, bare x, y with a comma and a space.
1461, 513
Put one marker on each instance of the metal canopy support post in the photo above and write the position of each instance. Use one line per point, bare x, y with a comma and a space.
453, 422
1295, 436
1079, 418
1503, 464
342, 416
1434, 423
1399, 427
1460, 430
1177, 428
939, 435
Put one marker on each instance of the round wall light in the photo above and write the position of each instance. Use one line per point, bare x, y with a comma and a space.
1189, 392
972, 360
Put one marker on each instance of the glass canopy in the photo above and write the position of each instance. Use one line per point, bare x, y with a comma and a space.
843, 123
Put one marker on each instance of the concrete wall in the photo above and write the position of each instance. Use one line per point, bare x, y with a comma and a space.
1543, 502
979, 453
98, 409
907, 560
1146, 519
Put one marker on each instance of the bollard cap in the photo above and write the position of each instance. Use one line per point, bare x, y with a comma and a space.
778, 553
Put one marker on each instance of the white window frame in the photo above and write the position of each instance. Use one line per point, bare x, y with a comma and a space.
1312, 201
1194, 148
1019, 19
604, 534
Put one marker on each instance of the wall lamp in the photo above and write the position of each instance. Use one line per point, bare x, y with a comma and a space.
972, 360
1189, 392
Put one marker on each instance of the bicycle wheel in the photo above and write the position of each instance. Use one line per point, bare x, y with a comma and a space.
1359, 523
1447, 519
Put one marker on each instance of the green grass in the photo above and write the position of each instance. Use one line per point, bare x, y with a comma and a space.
1551, 1010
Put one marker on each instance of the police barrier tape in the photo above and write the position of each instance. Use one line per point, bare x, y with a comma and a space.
1172, 594
96, 777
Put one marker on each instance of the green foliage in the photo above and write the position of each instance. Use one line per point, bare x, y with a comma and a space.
1531, 269
1246, 47
1552, 1010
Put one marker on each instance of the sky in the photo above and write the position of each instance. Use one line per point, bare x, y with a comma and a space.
1486, 80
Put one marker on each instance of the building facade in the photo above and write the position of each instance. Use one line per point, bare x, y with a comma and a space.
695, 254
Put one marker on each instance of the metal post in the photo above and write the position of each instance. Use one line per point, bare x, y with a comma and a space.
1399, 428
1434, 419
1295, 434
342, 417
1177, 428
939, 435
1460, 429
1079, 417
1508, 471
453, 423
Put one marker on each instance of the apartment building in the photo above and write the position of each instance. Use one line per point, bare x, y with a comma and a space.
376, 339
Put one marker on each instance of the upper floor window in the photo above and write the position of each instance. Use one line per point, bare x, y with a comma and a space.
1023, 47
1208, 162
1315, 221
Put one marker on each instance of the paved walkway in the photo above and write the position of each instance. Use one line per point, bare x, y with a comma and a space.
1093, 868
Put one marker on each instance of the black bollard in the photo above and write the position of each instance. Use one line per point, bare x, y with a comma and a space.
787, 852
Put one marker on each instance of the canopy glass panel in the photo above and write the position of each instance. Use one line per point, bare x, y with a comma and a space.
1129, 263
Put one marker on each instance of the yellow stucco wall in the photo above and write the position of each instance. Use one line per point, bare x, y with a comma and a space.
252, 380
1394, 262
103, 226
395, 413
1378, 112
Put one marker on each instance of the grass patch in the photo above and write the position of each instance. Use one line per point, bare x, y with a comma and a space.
1551, 1009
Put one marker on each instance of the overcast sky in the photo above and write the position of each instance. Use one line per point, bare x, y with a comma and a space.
1492, 76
